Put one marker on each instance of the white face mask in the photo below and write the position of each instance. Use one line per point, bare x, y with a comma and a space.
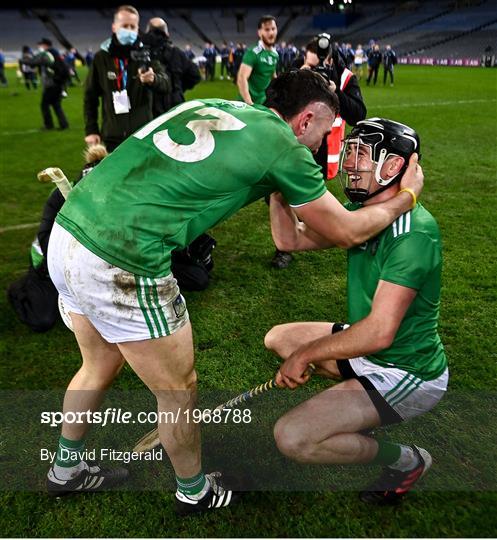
41, 49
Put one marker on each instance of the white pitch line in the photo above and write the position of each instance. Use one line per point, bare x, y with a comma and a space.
18, 227
9, 133
436, 103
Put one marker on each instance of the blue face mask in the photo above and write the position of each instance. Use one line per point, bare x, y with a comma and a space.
126, 37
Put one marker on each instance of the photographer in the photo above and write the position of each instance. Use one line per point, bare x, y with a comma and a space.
327, 60
182, 72
122, 81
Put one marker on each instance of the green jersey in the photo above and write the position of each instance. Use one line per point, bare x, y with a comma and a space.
408, 253
263, 63
181, 174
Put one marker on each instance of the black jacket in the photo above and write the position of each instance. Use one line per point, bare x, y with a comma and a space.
389, 59
374, 59
183, 73
352, 106
102, 81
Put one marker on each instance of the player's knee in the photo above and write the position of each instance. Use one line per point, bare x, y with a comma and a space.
100, 374
175, 383
114, 369
272, 339
290, 440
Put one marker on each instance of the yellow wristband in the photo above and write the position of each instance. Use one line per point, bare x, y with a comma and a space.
411, 193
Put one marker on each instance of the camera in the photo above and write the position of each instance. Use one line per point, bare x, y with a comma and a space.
153, 47
324, 49
143, 57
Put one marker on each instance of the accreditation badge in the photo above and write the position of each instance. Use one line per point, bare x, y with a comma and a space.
121, 102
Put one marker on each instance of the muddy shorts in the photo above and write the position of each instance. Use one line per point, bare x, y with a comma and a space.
122, 306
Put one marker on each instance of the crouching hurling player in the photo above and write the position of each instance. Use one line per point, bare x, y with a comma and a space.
390, 359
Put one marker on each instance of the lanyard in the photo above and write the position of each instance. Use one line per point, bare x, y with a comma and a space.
122, 73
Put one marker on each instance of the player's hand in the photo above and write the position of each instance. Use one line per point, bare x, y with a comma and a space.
413, 177
293, 372
92, 139
146, 77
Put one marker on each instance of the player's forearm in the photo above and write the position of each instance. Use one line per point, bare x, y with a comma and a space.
363, 338
290, 234
243, 87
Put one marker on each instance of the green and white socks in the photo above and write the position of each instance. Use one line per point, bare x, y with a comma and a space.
69, 462
396, 456
195, 487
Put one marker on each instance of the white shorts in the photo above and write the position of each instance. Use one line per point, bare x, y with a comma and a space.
396, 394
122, 306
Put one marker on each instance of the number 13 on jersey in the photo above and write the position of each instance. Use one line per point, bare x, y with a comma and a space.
204, 143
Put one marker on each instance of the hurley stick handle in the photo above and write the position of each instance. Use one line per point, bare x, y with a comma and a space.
55, 175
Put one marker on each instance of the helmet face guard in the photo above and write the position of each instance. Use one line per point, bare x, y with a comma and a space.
376, 140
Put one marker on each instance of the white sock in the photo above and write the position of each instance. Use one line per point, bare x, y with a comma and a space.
68, 473
407, 461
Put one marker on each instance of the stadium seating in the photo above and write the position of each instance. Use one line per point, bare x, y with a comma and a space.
411, 27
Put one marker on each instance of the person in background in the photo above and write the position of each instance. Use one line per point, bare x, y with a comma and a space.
374, 61
237, 59
349, 55
89, 58
231, 59
389, 61
70, 59
182, 72
34, 297
189, 53
359, 60
259, 63
28, 72
3, 80
210, 61
225, 54
54, 76
120, 85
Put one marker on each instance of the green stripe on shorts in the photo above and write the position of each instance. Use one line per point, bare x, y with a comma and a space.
152, 308
397, 386
159, 309
406, 393
139, 292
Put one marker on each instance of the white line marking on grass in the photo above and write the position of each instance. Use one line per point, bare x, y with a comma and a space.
437, 103
9, 133
18, 227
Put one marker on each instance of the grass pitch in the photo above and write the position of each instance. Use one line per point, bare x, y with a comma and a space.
455, 112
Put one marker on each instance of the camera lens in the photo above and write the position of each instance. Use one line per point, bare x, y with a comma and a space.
323, 43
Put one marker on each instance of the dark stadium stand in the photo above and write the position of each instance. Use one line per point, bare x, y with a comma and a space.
440, 28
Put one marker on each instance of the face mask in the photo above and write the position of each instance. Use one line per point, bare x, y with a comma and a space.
126, 37
41, 49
